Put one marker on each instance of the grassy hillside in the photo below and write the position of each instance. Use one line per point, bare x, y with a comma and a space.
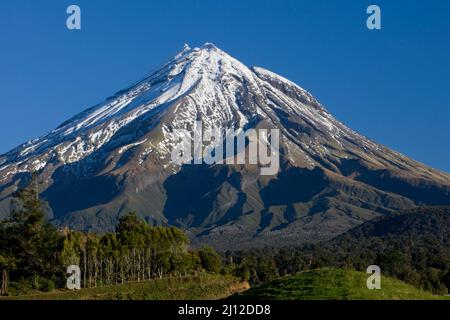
334, 284
204, 286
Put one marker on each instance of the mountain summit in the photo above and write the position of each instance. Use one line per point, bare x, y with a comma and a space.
115, 157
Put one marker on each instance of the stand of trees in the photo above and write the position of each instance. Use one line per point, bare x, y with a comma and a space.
135, 252
34, 255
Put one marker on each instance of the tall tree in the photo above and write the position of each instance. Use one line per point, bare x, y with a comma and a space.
27, 236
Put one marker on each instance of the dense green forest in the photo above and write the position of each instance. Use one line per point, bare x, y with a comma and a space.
412, 246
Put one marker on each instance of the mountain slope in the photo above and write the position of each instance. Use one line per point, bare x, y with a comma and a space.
115, 157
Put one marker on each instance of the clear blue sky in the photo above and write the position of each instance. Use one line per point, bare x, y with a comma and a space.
391, 85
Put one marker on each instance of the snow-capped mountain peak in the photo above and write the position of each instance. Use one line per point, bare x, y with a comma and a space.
202, 83
115, 157
88, 131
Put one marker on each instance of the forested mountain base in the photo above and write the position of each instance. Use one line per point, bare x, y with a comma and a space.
412, 246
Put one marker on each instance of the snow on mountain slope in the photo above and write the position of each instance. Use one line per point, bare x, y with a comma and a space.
129, 137
214, 82
201, 72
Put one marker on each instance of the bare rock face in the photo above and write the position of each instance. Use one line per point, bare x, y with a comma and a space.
115, 157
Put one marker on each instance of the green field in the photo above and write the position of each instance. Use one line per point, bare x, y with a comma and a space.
203, 286
334, 284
